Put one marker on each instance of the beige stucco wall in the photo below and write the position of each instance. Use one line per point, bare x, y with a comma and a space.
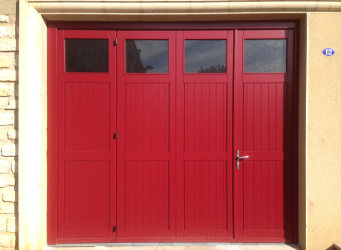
319, 118
323, 166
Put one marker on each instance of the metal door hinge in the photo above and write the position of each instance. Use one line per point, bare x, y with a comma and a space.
115, 42
115, 135
114, 229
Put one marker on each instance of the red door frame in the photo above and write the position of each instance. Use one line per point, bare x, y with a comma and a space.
52, 98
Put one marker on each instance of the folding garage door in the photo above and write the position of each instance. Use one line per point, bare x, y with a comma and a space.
153, 130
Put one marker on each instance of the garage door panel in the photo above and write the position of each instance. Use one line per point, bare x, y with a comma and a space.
264, 116
146, 135
86, 154
205, 117
147, 110
264, 132
86, 202
264, 141
146, 195
263, 195
205, 195
86, 116
204, 135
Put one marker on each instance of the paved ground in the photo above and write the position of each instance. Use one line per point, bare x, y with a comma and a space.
179, 246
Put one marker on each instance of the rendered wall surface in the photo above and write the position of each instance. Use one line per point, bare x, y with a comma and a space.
323, 166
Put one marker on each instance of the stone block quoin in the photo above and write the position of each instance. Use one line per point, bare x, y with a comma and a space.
8, 132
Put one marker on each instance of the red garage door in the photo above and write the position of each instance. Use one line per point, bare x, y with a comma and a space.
172, 136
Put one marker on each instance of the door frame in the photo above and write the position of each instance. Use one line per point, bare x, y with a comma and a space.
52, 82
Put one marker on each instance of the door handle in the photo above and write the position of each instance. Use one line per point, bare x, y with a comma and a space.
240, 158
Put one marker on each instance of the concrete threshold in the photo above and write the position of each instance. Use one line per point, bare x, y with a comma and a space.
176, 246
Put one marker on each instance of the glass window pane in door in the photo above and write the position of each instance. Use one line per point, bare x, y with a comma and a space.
265, 56
86, 55
205, 56
147, 56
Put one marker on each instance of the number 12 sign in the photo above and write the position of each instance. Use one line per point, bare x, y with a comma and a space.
328, 52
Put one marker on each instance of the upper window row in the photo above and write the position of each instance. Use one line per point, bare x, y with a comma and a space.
152, 56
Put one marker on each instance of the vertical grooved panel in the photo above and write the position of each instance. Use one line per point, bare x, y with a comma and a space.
213, 118
265, 195
205, 195
198, 129
257, 117
281, 93
248, 117
189, 197
249, 221
280, 195
205, 117
86, 204
197, 209
189, 117
273, 117
86, 107
205, 181
263, 184
263, 116
146, 195
272, 195
147, 117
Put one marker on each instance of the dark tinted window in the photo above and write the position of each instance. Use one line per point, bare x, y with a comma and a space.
86, 55
147, 56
